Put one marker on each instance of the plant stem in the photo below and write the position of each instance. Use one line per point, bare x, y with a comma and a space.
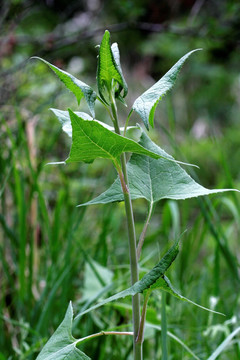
164, 327
143, 234
140, 337
101, 333
137, 347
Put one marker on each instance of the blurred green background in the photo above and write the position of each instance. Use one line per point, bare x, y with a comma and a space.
52, 252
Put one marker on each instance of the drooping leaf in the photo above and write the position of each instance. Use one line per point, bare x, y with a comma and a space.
62, 345
163, 283
77, 87
146, 104
154, 180
147, 280
109, 68
91, 140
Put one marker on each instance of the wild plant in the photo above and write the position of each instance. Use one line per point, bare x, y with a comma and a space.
149, 173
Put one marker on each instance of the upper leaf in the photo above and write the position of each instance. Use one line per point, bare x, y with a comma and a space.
146, 104
116, 55
79, 88
154, 180
109, 69
91, 140
62, 345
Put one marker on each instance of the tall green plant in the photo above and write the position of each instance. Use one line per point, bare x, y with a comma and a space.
150, 173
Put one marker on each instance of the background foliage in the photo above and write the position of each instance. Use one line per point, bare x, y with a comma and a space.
51, 251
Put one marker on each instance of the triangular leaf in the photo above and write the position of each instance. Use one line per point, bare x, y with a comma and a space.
62, 345
77, 87
146, 104
91, 140
163, 283
109, 68
146, 282
154, 180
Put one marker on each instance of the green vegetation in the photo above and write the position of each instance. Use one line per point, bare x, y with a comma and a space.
91, 139
52, 252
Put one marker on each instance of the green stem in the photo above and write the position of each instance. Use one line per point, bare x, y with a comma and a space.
164, 327
101, 333
143, 234
137, 347
140, 337
126, 124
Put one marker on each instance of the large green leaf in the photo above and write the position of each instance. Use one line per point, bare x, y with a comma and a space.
78, 88
109, 69
147, 280
91, 140
154, 180
146, 104
62, 345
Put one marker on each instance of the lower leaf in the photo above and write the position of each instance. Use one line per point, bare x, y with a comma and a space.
146, 282
62, 345
164, 284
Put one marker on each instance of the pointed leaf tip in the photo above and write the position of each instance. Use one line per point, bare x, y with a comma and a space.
62, 344
145, 105
76, 86
109, 72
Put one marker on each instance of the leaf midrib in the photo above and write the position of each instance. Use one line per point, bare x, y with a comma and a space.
111, 157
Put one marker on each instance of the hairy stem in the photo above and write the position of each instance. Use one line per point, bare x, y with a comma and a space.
131, 238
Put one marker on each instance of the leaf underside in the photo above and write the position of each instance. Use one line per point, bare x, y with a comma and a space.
154, 179
77, 87
146, 104
62, 345
91, 140
133, 132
